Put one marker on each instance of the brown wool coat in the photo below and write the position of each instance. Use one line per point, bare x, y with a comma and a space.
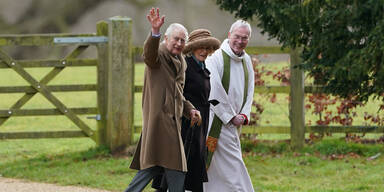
163, 106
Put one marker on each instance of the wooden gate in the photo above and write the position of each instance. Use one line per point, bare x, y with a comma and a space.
114, 77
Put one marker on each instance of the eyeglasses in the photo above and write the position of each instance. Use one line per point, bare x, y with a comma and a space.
241, 38
177, 39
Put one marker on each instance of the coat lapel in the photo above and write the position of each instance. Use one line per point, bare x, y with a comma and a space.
182, 66
175, 63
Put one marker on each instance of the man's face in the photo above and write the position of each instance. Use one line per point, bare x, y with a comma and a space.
238, 39
176, 41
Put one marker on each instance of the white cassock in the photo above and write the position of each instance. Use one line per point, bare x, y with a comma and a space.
227, 172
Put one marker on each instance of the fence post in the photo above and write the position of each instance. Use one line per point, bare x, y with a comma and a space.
296, 107
102, 84
120, 84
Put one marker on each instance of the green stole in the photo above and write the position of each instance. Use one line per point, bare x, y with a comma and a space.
214, 133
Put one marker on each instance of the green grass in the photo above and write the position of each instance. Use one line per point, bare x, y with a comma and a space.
272, 167
327, 147
310, 173
64, 162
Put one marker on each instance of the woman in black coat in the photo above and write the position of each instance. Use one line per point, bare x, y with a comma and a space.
197, 87
196, 90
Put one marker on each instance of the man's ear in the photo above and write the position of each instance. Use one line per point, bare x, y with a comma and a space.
229, 34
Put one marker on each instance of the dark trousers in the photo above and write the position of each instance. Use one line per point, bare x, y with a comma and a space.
175, 179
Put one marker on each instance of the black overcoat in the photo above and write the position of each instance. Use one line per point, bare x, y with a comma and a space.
196, 90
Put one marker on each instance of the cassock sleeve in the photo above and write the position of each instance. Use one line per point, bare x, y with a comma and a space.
251, 86
223, 110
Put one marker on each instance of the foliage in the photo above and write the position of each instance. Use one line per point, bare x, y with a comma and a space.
342, 148
327, 109
254, 146
260, 74
94, 153
337, 147
342, 40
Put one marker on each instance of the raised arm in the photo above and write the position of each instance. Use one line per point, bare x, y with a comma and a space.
155, 20
151, 45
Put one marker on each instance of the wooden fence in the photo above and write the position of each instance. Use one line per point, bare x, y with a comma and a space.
41, 86
297, 91
296, 108
115, 87
115, 72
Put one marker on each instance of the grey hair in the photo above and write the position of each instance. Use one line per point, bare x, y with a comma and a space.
173, 26
241, 23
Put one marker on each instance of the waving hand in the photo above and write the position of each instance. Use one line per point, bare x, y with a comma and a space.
155, 20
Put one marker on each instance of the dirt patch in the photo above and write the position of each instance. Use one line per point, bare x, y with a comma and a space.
17, 185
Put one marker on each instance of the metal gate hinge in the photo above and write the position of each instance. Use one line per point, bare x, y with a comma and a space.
97, 117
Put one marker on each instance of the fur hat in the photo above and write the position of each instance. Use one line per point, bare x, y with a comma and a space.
201, 38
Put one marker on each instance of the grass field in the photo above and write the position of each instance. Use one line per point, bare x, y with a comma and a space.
75, 162
78, 162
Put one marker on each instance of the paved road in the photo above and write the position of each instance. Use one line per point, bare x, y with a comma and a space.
16, 185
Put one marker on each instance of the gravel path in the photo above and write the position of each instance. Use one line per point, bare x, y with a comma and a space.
16, 185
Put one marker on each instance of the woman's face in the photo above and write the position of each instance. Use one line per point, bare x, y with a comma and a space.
202, 53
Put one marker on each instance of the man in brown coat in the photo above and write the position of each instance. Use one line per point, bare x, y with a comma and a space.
160, 149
